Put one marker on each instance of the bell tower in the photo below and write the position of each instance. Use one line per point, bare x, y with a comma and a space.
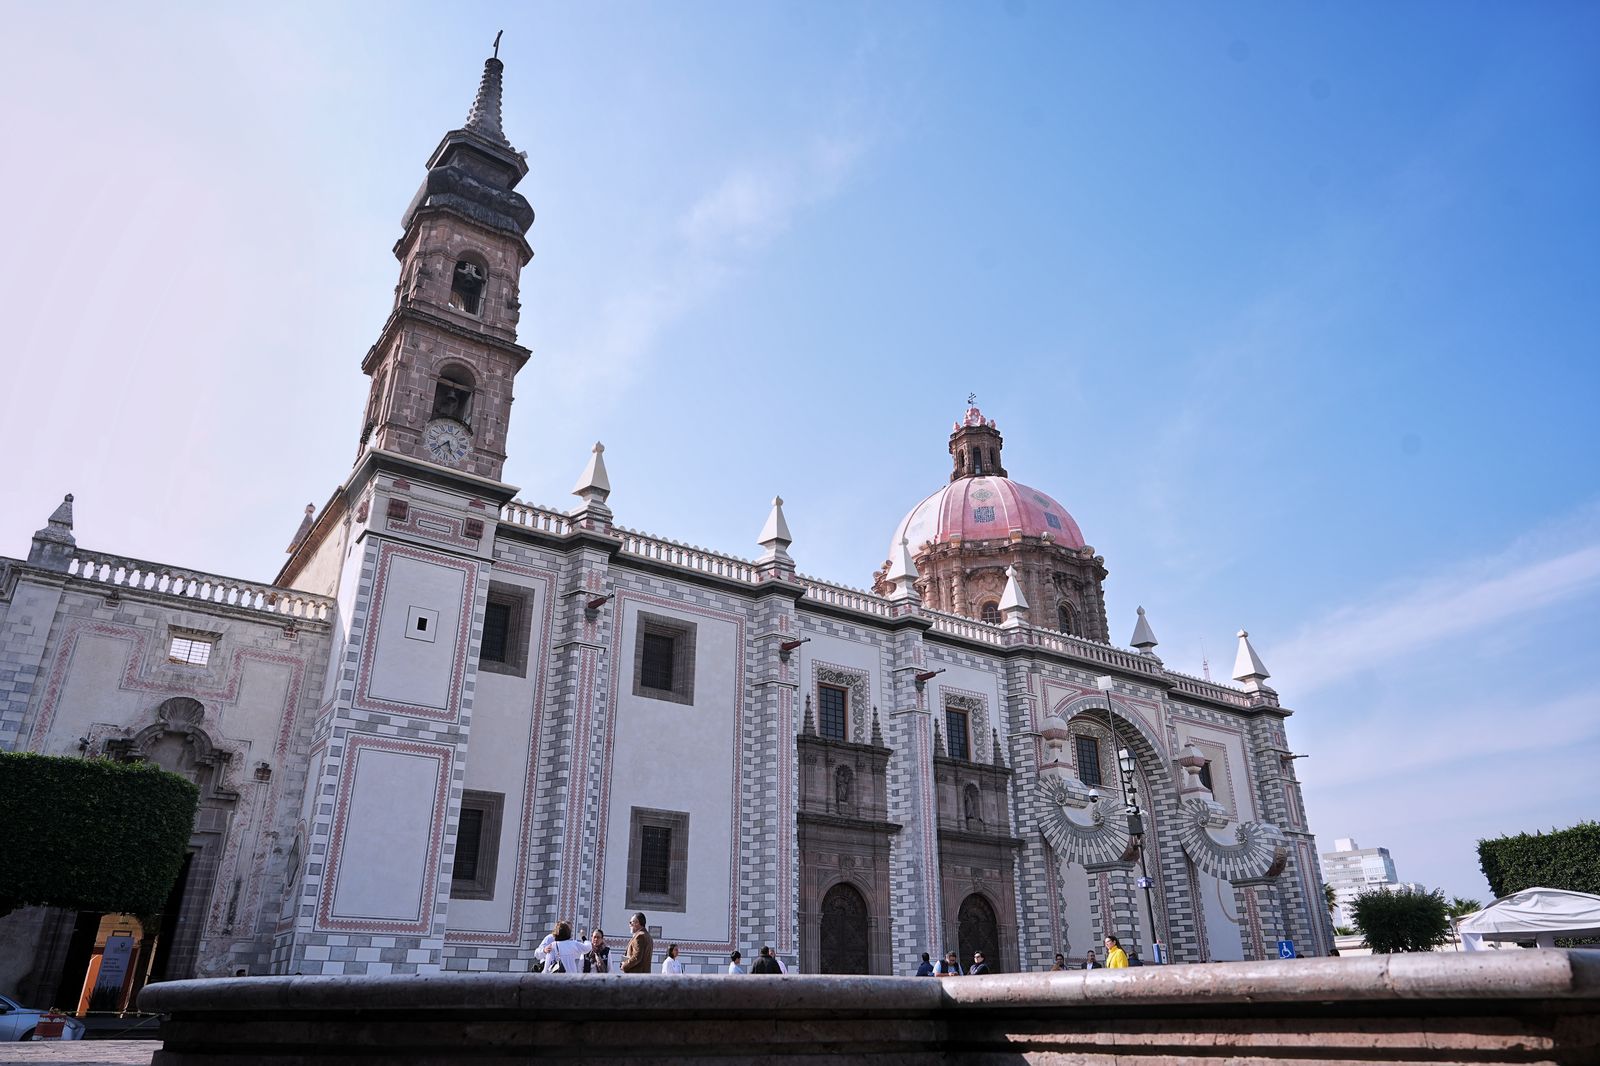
443, 366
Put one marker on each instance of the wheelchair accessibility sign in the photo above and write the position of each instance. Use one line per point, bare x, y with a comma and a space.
1286, 949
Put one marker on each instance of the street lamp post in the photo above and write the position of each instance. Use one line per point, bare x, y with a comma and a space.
1130, 788
1125, 763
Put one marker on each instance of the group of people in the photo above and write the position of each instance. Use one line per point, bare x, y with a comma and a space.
559, 952
950, 965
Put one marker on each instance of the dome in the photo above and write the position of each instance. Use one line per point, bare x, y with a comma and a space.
986, 508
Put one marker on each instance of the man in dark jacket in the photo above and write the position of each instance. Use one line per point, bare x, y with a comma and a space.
926, 968
765, 963
978, 965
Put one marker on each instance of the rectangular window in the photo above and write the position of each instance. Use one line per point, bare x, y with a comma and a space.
663, 658
507, 630
469, 843
496, 631
1088, 760
658, 860
191, 651
955, 728
477, 845
656, 671
655, 859
832, 711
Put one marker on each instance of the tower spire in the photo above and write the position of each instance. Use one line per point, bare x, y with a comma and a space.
484, 118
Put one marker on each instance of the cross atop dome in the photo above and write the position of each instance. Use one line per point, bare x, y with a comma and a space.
975, 445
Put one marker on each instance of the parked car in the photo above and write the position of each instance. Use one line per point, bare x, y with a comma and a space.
18, 1022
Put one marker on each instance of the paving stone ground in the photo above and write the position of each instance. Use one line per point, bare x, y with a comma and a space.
82, 1052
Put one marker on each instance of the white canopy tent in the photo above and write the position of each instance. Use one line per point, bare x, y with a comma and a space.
1537, 914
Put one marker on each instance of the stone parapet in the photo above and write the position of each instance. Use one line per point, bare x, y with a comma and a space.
1499, 1007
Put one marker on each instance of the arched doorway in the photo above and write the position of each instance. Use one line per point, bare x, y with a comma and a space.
844, 931
978, 930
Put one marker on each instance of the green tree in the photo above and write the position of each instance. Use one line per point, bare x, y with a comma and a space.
1562, 858
92, 834
1330, 898
1401, 921
1460, 905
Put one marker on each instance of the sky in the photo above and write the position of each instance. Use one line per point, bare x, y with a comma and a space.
1292, 305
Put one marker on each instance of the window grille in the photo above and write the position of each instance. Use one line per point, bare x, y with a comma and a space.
832, 702
655, 859
656, 671
955, 727
190, 651
1088, 760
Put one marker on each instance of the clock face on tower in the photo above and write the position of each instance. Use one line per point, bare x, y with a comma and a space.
447, 441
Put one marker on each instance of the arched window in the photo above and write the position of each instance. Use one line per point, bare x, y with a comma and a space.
1067, 619
467, 283
972, 807
843, 786
990, 612
452, 396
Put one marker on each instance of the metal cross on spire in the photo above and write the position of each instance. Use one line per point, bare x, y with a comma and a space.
972, 398
497, 43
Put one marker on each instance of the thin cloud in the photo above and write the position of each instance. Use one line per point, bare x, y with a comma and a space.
712, 241
1356, 638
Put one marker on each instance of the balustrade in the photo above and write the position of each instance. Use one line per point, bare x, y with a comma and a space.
530, 516
844, 596
689, 557
139, 576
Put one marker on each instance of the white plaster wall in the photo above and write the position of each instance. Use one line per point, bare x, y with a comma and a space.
1224, 933
677, 757
1079, 915
1224, 747
406, 670
383, 866
498, 761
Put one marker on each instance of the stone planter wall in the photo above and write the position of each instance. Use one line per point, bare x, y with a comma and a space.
1494, 1007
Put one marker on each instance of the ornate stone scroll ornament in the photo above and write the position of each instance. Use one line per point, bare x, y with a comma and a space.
1259, 849
1078, 823
1078, 828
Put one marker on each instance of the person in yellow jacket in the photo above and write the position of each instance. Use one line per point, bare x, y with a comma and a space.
1116, 958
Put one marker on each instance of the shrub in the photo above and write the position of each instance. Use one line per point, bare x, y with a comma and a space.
91, 834
1563, 858
1401, 921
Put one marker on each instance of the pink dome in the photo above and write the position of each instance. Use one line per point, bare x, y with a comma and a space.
986, 508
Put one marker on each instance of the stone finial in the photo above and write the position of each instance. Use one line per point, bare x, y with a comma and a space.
994, 735
1248, 667
877, 730
1013, 604
593, 484
1191, 761
938, 739
592, 488
808, 724
484, 118
53, 545
304, 531
1144, 638
775, 536
903, 574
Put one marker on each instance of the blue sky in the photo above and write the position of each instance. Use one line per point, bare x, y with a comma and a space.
1293, 306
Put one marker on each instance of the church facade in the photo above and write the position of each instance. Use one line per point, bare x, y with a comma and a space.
454, 718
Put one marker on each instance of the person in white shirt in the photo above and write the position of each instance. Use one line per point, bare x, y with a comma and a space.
670, 964
734, 965
563, 954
